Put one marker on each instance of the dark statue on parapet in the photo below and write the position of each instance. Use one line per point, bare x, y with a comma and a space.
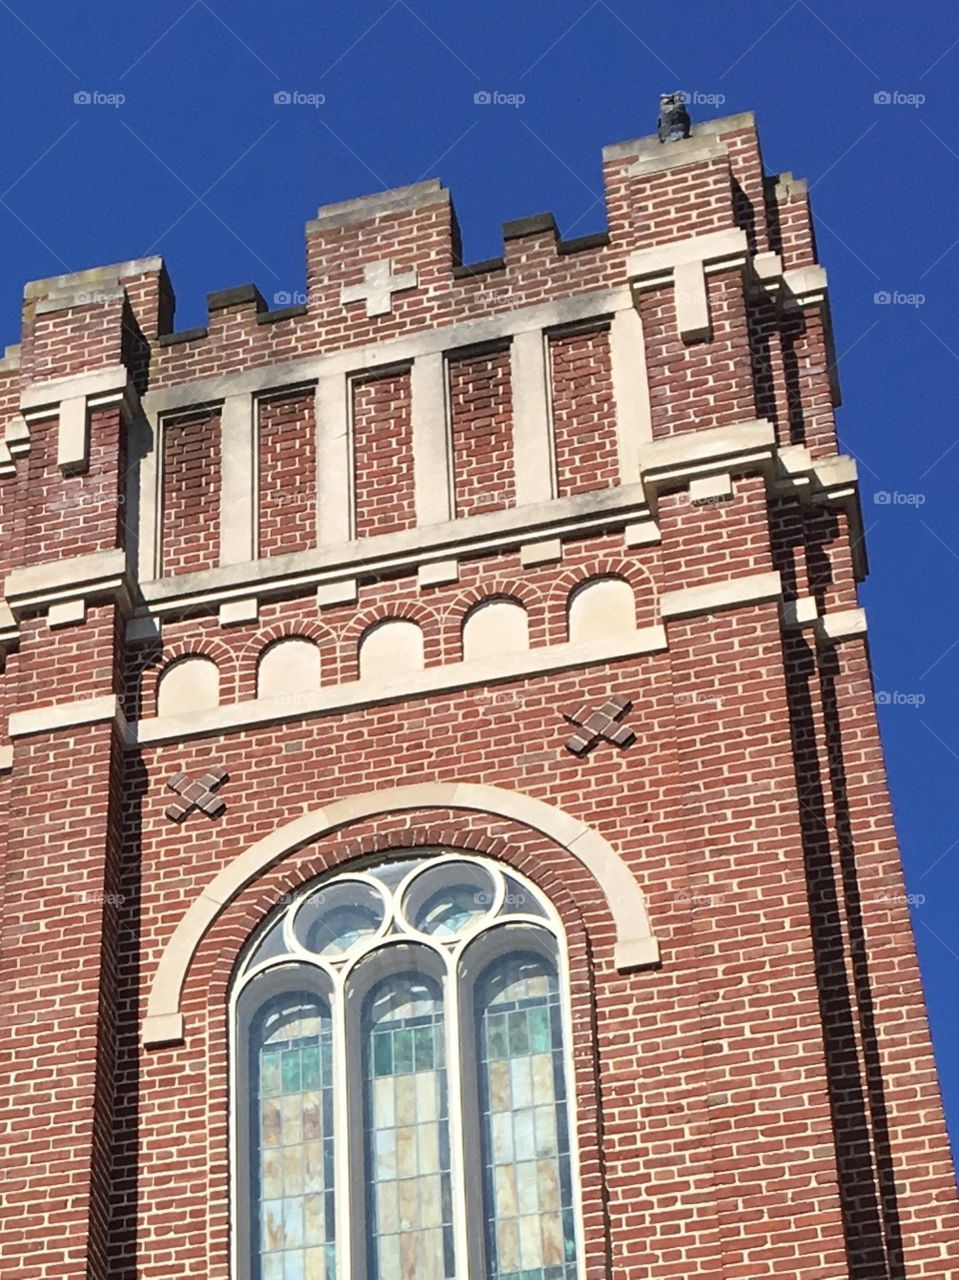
674, 121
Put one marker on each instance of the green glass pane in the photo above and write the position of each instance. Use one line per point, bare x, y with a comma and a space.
383, 1055
496, 1036
569, 1235
518, 1035
291, 1071
540, 1037
310, 1062
326, 1062
403, 1052
269, 1074
423, 1049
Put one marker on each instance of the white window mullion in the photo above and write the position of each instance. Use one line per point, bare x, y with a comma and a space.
343, 1135
454, 1077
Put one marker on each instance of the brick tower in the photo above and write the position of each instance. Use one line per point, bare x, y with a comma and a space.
536, 576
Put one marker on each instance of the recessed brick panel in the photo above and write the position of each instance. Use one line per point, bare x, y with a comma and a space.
383, 454
191, 494
286, 459
481, 416
584, 413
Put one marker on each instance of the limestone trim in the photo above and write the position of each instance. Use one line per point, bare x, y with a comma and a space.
354, 694
6, 759
684, 263
238, 479
65, 715
710, 597
846, 624
635, 947
493, 531
47, 395
403, 349
102, 574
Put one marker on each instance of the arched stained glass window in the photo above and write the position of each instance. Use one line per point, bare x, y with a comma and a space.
528, 1193
406, 1123
292, 1077
401, 1081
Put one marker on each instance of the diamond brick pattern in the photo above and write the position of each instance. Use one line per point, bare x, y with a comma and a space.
196, 793
600, 725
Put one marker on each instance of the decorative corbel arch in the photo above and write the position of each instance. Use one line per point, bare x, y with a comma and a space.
635, 945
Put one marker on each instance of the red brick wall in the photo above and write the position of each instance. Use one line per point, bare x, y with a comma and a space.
762, 1104
286, 499
584, 413
383, 454
481, 417
190, 536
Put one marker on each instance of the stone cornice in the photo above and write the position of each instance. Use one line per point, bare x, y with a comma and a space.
79, 579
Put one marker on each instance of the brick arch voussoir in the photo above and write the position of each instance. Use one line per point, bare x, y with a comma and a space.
423, 615
634, 945
323, 636
638, 577
500, 588
217, 651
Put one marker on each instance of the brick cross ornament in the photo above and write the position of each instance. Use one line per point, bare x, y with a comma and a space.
601, 725
196, 793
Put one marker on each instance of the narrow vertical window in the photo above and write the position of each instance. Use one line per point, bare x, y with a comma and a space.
528, 1193
406, 1123
292, 1123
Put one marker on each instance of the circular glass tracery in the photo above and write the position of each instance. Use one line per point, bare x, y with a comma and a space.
442, 899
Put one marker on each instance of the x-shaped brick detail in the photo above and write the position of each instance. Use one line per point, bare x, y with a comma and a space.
600, 725
196, 793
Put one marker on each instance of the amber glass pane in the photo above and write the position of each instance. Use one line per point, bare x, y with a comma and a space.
528, 1195
292, 1166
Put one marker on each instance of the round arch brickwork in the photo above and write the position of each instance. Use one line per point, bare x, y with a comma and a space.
635, 946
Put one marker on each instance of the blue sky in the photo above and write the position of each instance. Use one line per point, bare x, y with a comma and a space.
200, 164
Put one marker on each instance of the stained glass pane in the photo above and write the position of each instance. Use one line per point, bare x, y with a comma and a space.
292, 1166
406, 1126
528, 1198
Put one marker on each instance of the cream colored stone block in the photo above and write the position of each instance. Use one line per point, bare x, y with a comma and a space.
438, 573
692, 302
390, 648
342, 592
73, 435
601, 609
234, 612
287, 668
550, 551
493, 628
714, 488
67, 614
189, 685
